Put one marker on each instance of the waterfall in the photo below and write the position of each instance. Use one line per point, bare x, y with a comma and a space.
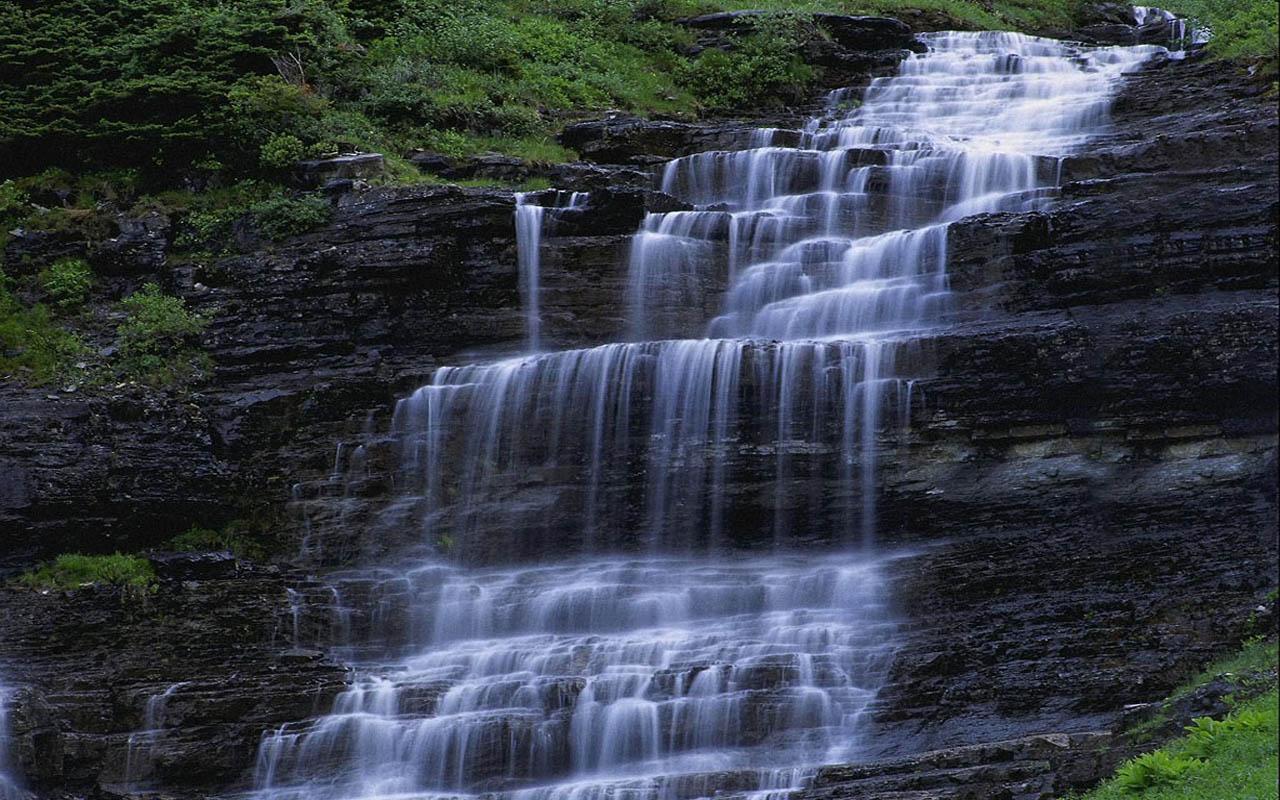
532, 221
833, 257
10, 785
645, 678
1178, 35
688, 669
141, 746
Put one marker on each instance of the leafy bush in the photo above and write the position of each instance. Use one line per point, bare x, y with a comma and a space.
280, 217
33, 346
1232, 758
763, 70
145, 82
68, 282
157, 338
282, 152
13, 201
197, 539
1157, 768
1245, 29
1206, 734
73, 570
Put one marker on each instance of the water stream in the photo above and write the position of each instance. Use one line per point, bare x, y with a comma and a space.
684, 670
10, 786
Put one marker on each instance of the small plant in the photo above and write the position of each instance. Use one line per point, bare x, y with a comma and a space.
13, 201
74, 570
1205, 733
1157, 768
197, 539
282, 152
156, 339
32, 345
764, 69
68, 282
281, 217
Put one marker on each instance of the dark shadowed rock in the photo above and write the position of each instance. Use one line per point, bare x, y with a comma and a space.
319, 171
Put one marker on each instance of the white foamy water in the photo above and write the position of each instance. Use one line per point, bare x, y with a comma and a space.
142, 745
663, 677
651, 677
10, 783
834, 258
531, 221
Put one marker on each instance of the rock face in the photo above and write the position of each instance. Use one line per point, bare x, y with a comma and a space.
124, 690
1088, 478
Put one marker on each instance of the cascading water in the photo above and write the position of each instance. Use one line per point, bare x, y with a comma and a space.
650, 677
142, 743
665, 677
531, 220
10, 786
1179, 38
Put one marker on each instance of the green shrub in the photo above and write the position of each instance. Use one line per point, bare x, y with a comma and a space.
282, 152
73, 570
280, 217
764, 69
67, 282
1232, 758
13, 201
1245, 29
197, 539
1157, 768
157, 338
1207, 734
33, 347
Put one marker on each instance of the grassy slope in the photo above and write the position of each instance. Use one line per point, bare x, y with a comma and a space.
1242, 762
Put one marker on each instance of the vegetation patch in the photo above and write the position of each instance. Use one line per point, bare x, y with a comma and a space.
231, 538
158, 339
67, 282
281, 217
1241, 29
34, 348
74, 570
1234, 758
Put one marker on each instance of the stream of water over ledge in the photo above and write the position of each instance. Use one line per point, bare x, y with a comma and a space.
661, 676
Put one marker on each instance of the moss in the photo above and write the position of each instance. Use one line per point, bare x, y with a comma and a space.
281, 217
75, 570
232, 538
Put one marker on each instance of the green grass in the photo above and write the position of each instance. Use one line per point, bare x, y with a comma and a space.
1259, 656
1231, 759
198, 540
34, 348
1240, 763
1242, 29
74, 570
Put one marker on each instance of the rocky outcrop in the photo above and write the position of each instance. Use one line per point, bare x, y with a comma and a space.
208, 655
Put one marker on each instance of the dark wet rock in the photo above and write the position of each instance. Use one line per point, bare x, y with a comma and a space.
317, 172
639, 141
193, 566
89, 661
1038, 767
140, 248
26, 252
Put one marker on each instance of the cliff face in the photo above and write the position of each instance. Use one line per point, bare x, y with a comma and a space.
1088, 474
